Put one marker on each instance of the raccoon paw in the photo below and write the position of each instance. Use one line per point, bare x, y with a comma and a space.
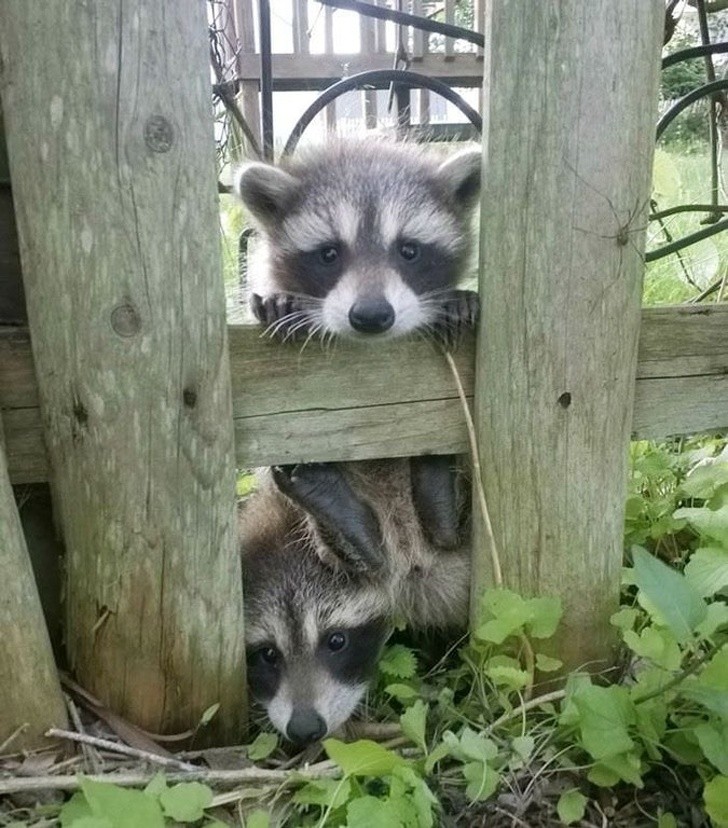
283, 315
346, 524
458, 313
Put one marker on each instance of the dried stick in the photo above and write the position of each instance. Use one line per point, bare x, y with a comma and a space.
116, 747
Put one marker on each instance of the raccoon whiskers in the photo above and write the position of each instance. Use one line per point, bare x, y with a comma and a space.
299, 317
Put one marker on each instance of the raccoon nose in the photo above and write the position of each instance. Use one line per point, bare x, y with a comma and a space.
371, 316
305, 726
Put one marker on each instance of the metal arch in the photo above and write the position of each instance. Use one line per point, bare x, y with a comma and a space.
694, 52
701, 92
379, 76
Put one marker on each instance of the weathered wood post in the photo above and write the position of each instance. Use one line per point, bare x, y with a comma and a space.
29, 687
108, 121
570, 96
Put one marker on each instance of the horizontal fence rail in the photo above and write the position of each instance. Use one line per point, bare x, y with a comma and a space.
347, 403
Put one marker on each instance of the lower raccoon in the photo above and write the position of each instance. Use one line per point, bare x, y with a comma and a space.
317, 614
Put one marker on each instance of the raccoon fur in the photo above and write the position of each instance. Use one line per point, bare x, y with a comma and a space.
367, 240
316, 620
361, 238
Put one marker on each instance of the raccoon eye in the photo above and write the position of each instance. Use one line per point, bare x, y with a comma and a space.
409, 251
336, 642
329, 254
268, 654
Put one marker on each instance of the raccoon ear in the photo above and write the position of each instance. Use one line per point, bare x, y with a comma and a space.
461, 174
265, 190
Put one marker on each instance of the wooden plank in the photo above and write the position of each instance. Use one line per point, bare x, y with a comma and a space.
682, 388
248, 96
449, 18
122, 276
367, 39
301, 43
555, 370
293, 73
29, 686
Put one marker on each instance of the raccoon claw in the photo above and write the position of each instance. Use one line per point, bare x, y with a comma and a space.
345, 522
457, 313
435, 500
281, 313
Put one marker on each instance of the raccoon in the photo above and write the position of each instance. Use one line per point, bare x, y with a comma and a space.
316, 616
367, 240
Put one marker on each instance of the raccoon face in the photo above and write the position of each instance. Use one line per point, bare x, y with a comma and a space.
369, 233
312, 643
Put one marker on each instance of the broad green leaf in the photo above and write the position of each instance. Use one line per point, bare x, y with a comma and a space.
571, 806
75, 809
602, 776
712, 698
710, 523
666, 820
370, 812
716, 617
482, 781
545, 615
707, 570
658, 645
186, 802
403, 692
678, 603
262, 746
476, 746
511, 677
362, 758
123, 808
398, 661
257, 819
326, 793
546, 664
510, 613
704, 480
413, 722
715, 794
606, 714
625, 766
713, 741
92, 822
419, 794
156, 786
523, 746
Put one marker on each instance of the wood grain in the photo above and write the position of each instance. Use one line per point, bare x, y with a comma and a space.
108, 124
356, 403
568, 141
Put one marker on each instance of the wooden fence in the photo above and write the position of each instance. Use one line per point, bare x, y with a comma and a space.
136, 401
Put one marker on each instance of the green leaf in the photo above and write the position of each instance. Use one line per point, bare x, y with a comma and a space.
439, 752
707, 570
710, 523
666, 820
123, 808
523, 746
679, 605
715, 794
257, 819
482, 781
713, 741
716, 618
571, 806
546, 664
510, 613
413, 722
92, 822
625, 618
370, 812
476, 746
545, 616
362, 758
209, 714
398, 661
605, 715
75, 809
403, 692
156, 786
186, 802
658, 645
326, 793
262, 746
511, 677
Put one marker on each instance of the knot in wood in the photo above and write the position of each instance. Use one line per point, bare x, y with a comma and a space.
125, 320
564, 400
158, 134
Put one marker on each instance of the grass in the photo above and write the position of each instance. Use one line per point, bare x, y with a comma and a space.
682, 177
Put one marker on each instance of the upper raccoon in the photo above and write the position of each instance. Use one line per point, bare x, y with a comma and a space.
317, 616
362, 238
